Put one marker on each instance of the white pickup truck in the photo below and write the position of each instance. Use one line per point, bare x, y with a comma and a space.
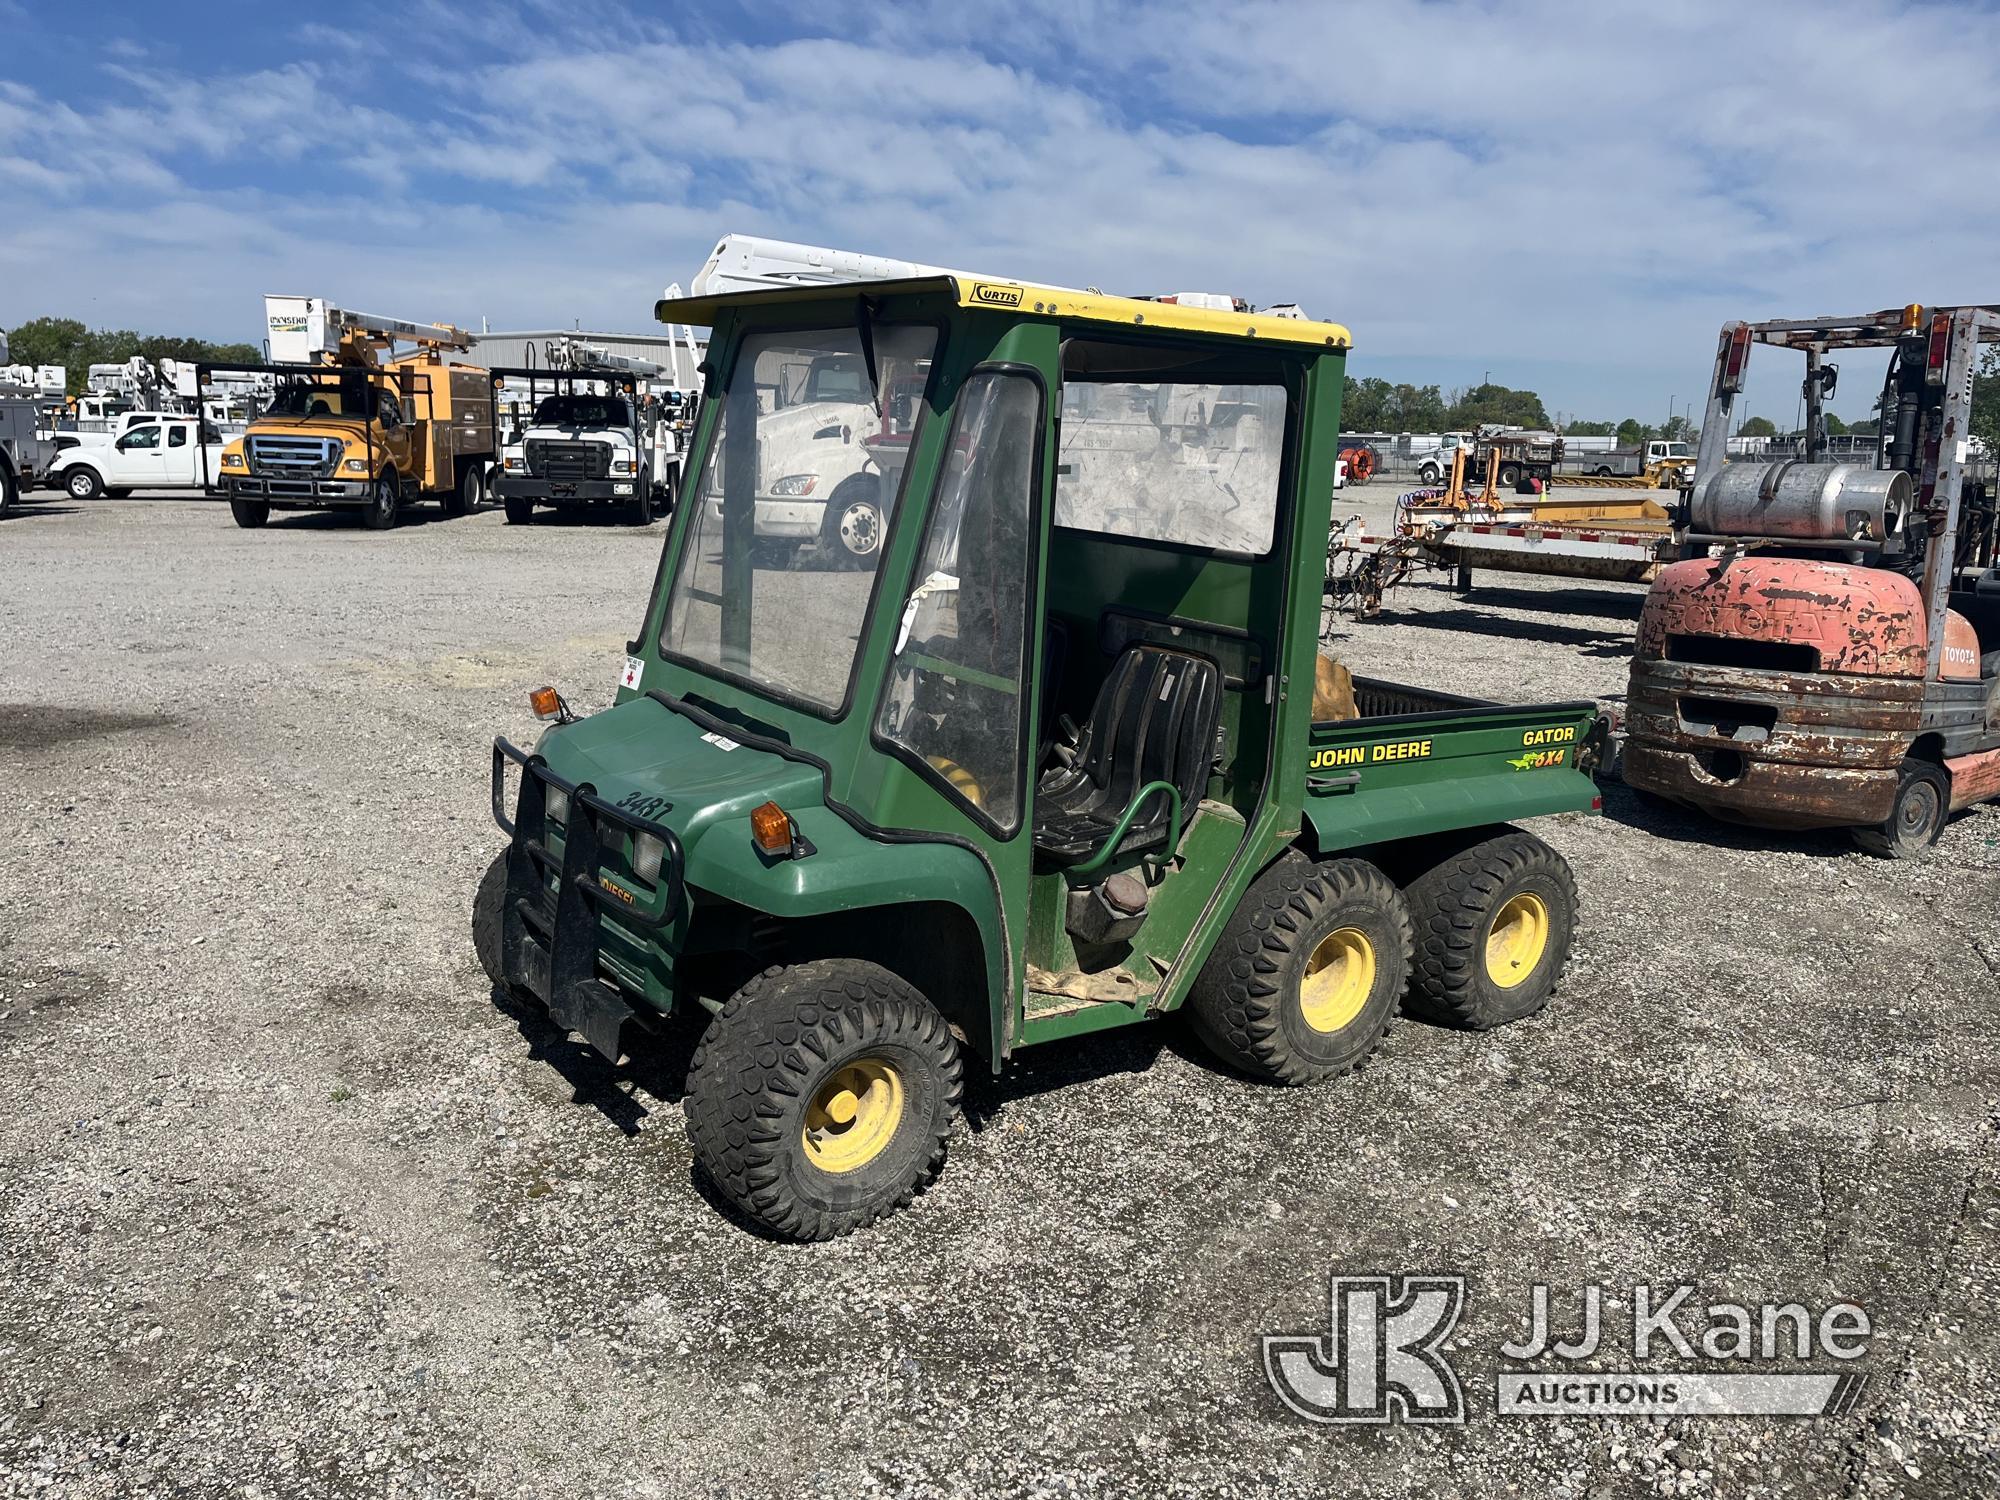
163, 454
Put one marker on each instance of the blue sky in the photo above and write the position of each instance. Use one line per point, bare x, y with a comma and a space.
1570, 196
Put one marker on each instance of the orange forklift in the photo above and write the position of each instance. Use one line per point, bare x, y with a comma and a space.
1826, 652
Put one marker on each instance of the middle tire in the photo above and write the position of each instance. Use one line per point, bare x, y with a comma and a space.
1494, 923
821, 1096
1307, 976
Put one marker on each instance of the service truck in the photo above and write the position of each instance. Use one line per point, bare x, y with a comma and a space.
353, 425
1048, 762
586, 440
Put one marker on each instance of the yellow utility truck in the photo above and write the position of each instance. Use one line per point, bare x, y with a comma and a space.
353, 425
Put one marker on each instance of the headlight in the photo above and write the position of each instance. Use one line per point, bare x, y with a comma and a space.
624, 466
232, 461
512, 463
647, 852
556, 805
356, 465
795, 484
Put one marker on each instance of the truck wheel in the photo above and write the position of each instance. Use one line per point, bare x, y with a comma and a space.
1604, 471
1916, 818
9, 491
1509, 476
1494, 924
821, 1096
1428, 474
383, 503
1307, 976
465, 500
850, 534
82, 483
250, 514
638, 511
488, 910
520, 510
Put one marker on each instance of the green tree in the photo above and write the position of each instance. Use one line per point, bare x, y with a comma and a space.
1496, 403
1589, 429
1834, 426
1374, 405
1632, 432
1758, 427
1983, 422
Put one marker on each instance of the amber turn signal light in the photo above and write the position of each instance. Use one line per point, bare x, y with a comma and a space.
771, 828
546, 702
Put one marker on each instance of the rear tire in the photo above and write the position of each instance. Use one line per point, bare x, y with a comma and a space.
466, 499
821, 1097
82, 483
1306, 978
1510, 476
1916, 818
383, 504
520, 510
250, 514
1493, 925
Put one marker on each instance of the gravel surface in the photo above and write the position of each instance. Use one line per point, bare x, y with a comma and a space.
291, 1204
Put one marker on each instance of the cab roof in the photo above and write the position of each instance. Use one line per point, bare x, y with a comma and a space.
1016, 298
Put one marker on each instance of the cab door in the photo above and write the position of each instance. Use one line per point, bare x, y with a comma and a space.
136, 459
178, 457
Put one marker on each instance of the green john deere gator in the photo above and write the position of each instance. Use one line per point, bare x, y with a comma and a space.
1044, 763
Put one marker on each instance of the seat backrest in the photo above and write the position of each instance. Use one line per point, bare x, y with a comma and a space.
1154, 720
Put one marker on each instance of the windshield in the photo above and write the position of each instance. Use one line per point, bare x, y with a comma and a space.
792, 507
1677, 450
349, 398
583, 411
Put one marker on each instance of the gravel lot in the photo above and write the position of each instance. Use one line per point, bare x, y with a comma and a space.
291, 1205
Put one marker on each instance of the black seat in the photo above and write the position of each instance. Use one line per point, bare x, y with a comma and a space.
1154, 720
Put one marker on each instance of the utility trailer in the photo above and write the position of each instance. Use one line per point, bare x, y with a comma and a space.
1826, 653
1046, 763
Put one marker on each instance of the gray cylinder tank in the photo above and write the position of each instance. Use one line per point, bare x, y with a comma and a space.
1806, 502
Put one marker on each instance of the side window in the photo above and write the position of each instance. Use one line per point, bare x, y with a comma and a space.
956, 698
140, 437
177, 436
392, 411
1172, 461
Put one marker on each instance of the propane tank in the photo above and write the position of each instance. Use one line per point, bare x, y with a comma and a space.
1804, 502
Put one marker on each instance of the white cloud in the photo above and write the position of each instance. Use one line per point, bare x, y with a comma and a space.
1569, 196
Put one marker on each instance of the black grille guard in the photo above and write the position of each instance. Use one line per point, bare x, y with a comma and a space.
550, 948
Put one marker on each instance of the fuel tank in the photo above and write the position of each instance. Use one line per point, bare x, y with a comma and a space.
1804, 502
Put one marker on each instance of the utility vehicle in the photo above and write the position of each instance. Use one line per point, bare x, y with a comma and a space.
1826, 653
1046, 765
166, 453
587, 441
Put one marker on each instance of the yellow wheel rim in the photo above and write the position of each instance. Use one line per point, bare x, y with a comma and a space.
1339, 978
853, 1115
1517, 940
963, 781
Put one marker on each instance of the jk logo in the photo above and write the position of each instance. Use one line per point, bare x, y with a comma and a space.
1381, 1363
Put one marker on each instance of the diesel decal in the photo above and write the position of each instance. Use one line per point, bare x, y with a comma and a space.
617, 890
1536, 760
989, 295
1560, 736
1355, 755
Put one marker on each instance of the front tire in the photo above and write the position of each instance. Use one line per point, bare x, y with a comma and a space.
852, 530
1494, 924
383, 505
821, 1097
638, 511
83, 483
1427, 475
520, 510
1916, 818
9, 489
1306, 978
250, 514
489, 903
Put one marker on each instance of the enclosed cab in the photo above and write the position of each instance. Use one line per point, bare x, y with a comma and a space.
1824, 654
1051, 758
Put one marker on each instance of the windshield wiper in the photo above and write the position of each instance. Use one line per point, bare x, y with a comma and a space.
864, 322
